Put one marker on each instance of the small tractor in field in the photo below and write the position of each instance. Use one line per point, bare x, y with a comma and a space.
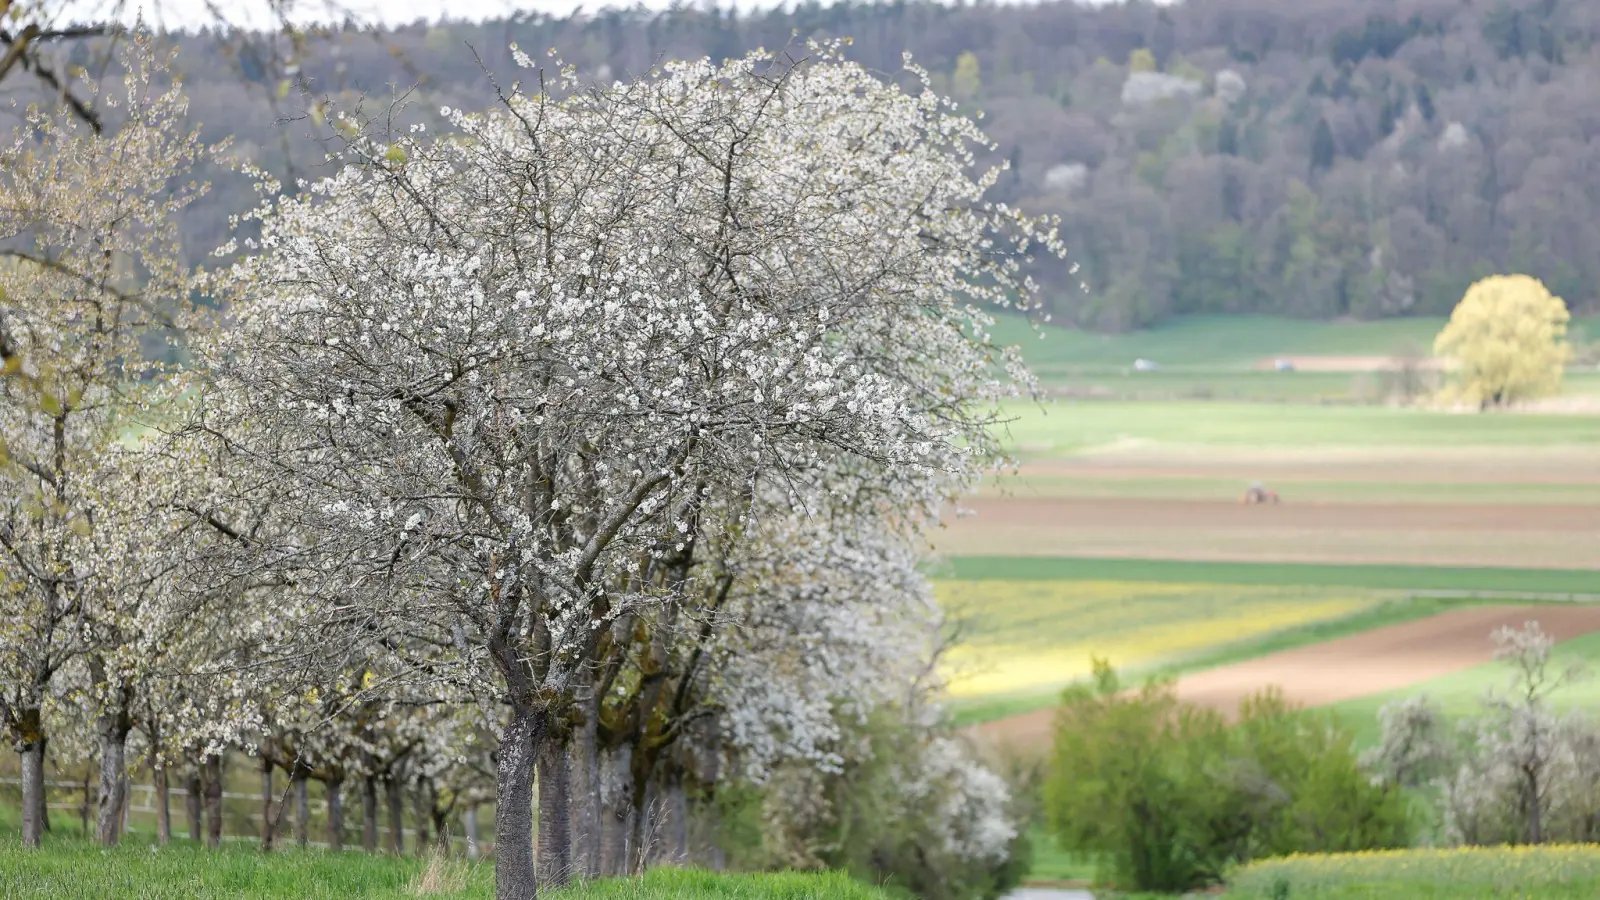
1258, 493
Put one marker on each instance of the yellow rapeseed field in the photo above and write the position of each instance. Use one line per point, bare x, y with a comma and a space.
1021, 636
1550, 871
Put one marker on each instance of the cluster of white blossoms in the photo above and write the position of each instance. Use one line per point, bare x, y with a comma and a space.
603, 427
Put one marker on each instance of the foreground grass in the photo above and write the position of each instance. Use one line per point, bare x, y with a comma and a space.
73, 870
1378, 577
1547, 873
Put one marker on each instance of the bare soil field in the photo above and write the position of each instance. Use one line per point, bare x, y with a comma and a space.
1455, 534
1207, 514
1361, 665
1518, 465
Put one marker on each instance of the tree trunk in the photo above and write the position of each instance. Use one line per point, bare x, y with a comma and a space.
213, 793
471, 818
113, 775
422, 812
555, 814
163, 802
335, 814
394, 793
646, 821
43, 794
302, 811
191, 805
585, 777
32, 791
369, 814
514, 873
675, 824
617, 815
269, 830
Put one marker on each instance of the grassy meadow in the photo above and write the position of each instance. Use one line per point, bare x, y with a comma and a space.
73, 870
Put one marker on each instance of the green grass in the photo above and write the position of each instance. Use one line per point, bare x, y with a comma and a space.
73, 870
1069, 426
973, 710
1052, 864
1483, 873
1228, 341
1458, 694
1379, 577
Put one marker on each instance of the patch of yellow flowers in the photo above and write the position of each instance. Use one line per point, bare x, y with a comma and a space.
1467, 872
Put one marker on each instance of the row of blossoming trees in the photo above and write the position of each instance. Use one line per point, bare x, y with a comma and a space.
589, 445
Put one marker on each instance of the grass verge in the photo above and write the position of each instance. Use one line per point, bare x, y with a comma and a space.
74, 870
1476, 873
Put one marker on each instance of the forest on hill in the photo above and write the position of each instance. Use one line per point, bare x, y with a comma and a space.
1315, 158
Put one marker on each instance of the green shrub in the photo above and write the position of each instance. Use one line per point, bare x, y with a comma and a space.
1167, 795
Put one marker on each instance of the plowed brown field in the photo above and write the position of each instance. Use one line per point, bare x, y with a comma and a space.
1344, 669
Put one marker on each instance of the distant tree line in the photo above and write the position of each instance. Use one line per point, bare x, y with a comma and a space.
1321, 158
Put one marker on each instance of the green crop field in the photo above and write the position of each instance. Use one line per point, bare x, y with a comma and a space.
1226, 341
1066, 427
1417, 578
1216, 341
1091, 485
1468, 873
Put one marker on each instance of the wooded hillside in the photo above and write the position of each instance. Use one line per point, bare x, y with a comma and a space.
1319, 158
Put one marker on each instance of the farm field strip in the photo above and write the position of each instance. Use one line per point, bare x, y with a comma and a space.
1032, 635
1576, 551
1377, 577
1367, 667
1065, 427
1114, 486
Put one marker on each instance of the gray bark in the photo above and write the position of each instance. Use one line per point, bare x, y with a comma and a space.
163, 802
422, 812
369, 814
617, 814
471, 818
585, 777
394, 793
113, 778
32, 791
515, 877
335, 814
191, 805
555, 814
43, 795
302, 811
675, 823
213, 796
646, 839
269, 822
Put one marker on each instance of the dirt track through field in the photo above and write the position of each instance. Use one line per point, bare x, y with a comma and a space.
1357, 666
1160, 513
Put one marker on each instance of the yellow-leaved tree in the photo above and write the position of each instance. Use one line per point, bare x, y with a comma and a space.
1508, 338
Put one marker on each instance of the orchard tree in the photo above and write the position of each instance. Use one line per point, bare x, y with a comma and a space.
493, 368
1508, 339
89, 228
